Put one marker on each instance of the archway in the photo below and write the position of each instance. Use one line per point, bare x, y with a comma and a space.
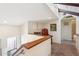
68, 28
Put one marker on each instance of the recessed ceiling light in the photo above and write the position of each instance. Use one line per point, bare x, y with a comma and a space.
5, 22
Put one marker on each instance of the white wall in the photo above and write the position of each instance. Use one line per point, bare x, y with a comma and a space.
24, 28
54, 33
77, 25
8, 31
0, 43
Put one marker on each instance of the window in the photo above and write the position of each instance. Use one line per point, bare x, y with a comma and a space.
11, 43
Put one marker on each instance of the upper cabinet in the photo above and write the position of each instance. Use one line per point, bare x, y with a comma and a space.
35, 27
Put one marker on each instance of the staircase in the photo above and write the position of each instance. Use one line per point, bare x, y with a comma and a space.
19, 52
16, 52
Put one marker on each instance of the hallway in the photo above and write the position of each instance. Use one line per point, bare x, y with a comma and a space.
64, 49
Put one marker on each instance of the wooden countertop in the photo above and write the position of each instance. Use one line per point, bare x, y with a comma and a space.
36, 42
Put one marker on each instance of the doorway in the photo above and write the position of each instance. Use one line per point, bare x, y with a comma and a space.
68, 29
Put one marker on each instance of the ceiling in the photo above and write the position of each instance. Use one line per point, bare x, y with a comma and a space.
70, 8
71, 4
19, 13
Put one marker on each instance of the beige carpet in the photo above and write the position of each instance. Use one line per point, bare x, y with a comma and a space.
64, 50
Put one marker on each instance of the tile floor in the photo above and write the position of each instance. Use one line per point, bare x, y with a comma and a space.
67, 48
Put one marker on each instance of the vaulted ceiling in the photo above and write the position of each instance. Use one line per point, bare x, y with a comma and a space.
70, 4
18, 13
69, 8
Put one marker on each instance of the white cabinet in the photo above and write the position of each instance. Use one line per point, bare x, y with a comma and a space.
34, 27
